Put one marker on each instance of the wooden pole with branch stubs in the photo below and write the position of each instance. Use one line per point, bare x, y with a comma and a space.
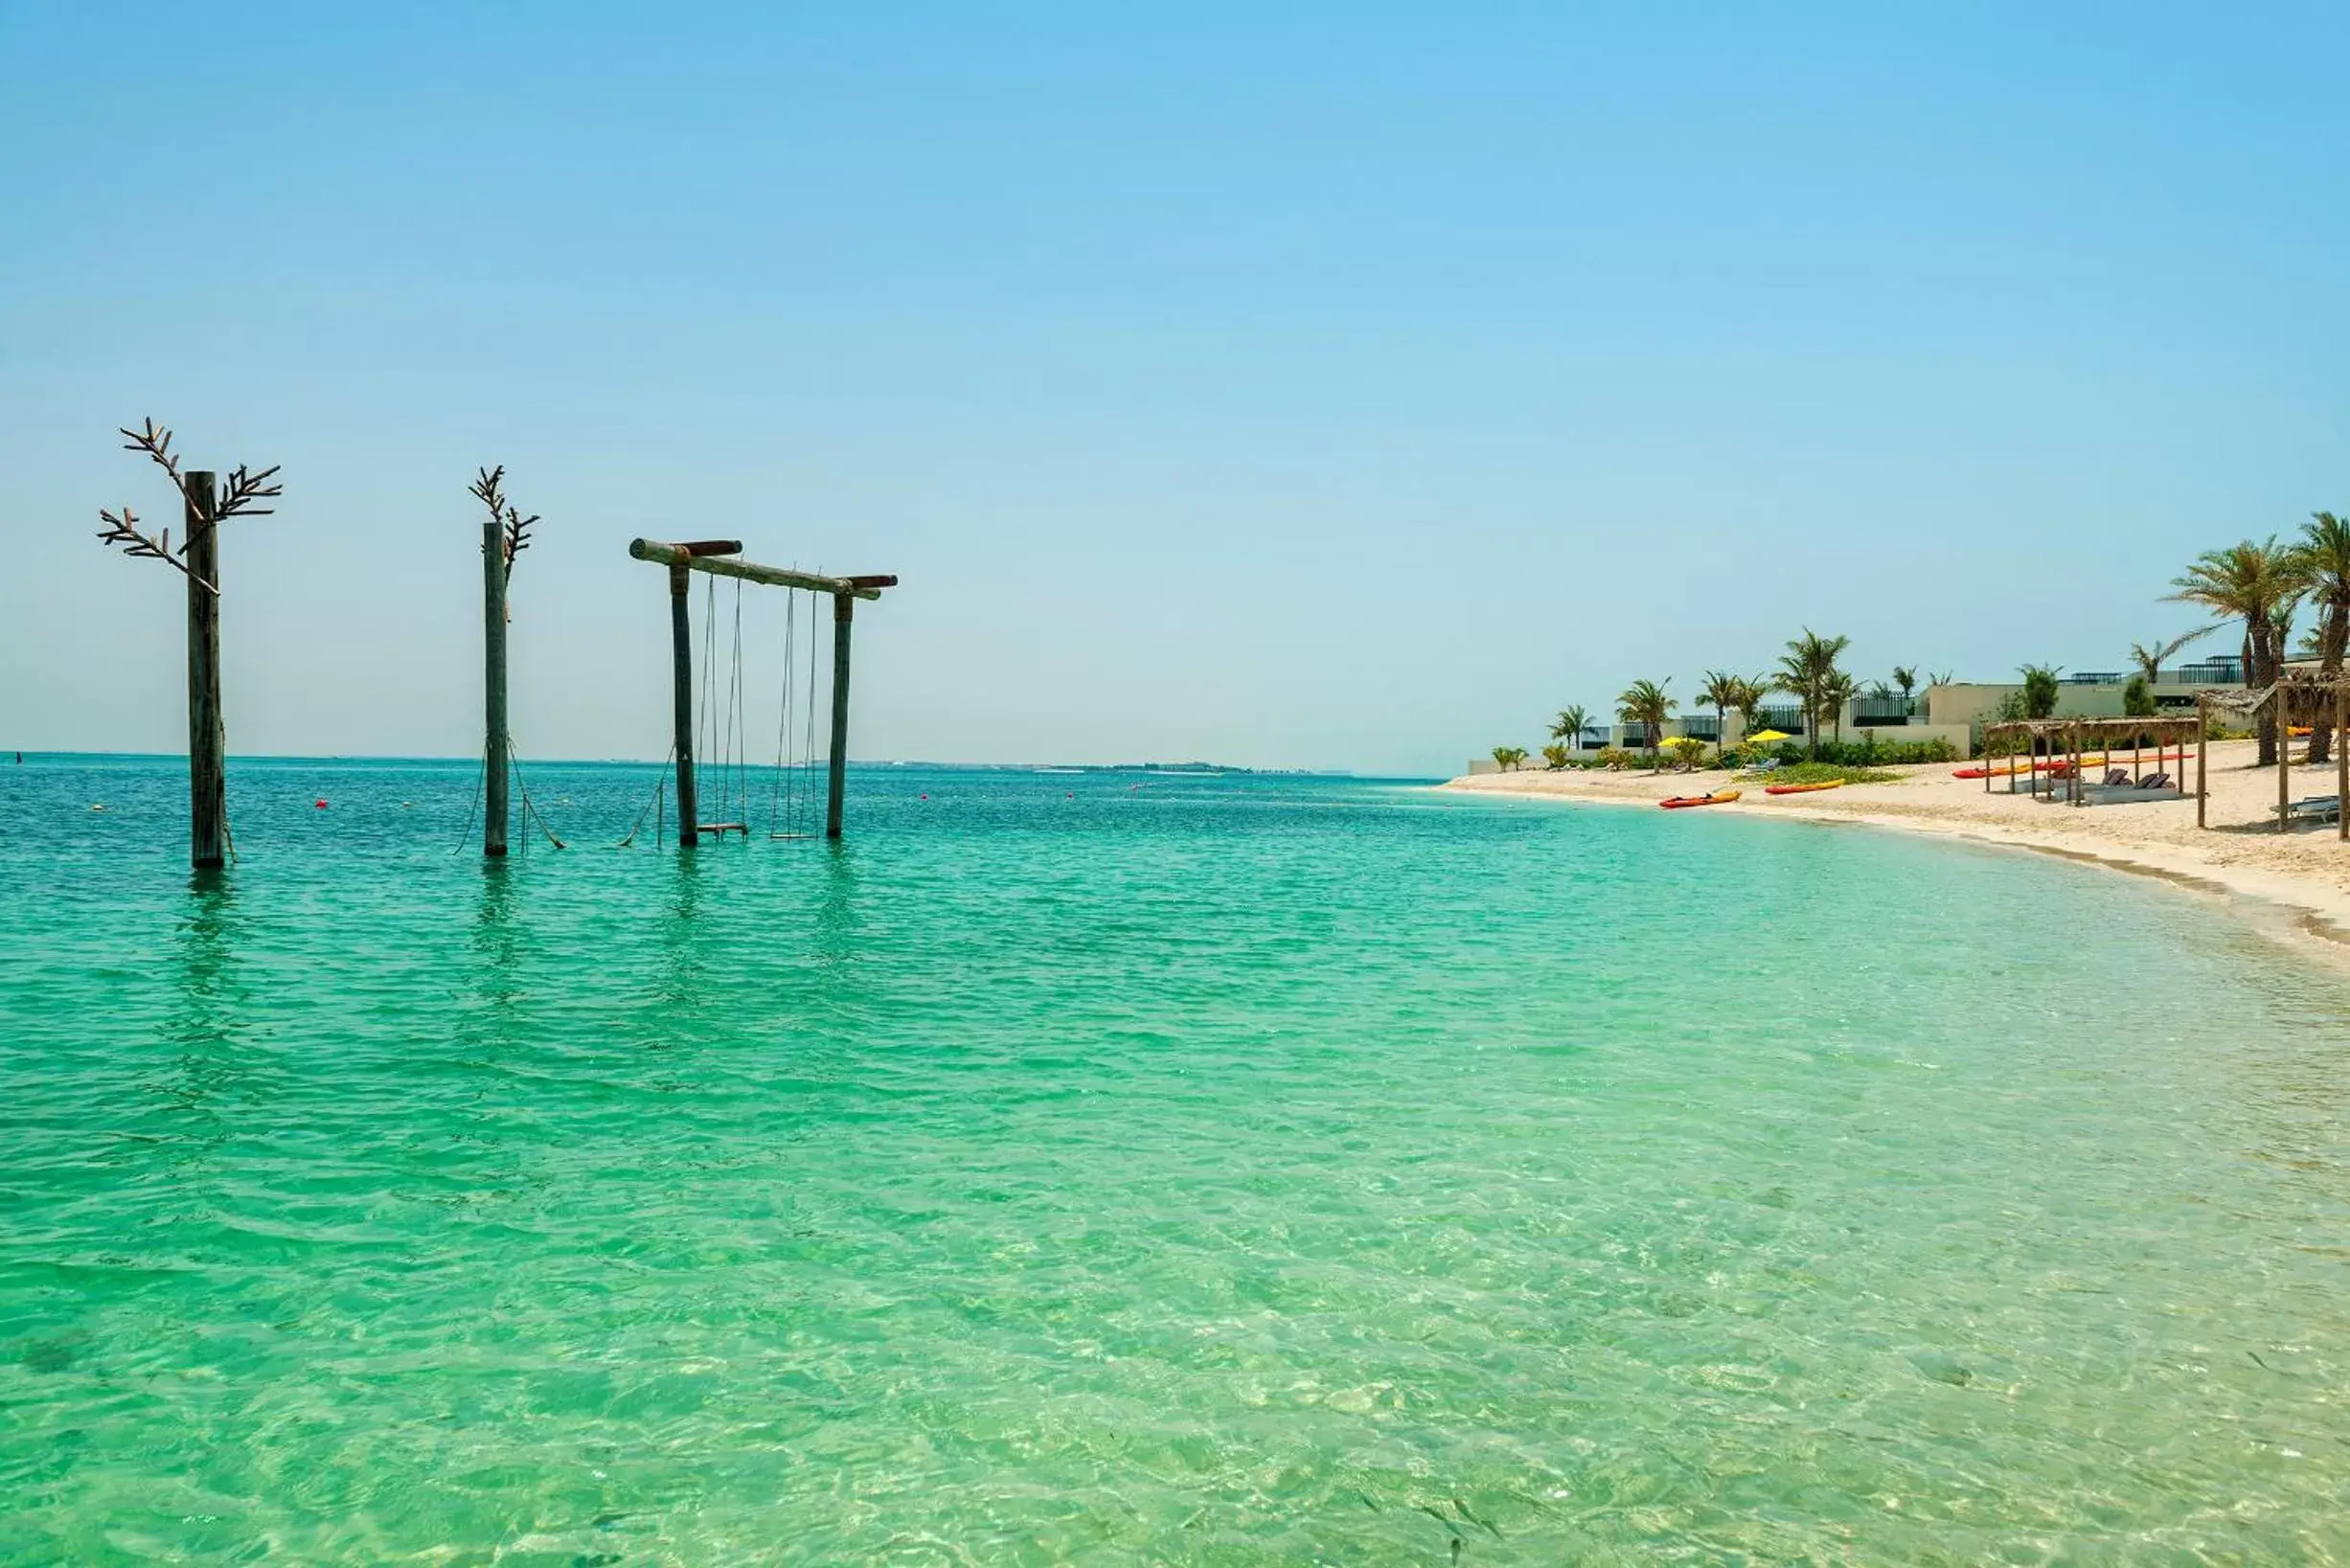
505, 534
206, 501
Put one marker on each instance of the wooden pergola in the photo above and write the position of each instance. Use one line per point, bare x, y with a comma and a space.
717, 556
2317, 700
2066, 741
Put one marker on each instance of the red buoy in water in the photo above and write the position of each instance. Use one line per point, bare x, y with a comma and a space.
320, 803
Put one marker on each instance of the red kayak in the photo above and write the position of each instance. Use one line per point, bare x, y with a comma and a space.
1681, 802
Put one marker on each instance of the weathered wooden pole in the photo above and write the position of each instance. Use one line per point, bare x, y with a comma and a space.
681, 666
2341, 763
207, 761
2281, 721
495, 761
844, 608
2202, 755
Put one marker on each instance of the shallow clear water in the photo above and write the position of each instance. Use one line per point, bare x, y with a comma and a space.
1232, 1172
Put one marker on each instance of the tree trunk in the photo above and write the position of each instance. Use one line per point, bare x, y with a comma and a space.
2261, 668
2331, 637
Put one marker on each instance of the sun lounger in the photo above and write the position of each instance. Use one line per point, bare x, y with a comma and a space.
2116, 776
2155, 781
2315, 809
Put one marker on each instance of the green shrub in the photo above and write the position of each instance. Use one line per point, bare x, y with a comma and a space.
1825, 773
1875, 753
1685, 750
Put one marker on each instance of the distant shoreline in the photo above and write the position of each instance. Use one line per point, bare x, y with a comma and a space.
1200, 770
2295, 885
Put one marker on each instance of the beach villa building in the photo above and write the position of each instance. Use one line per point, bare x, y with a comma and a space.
1954, 712
2086, 693
1889, 719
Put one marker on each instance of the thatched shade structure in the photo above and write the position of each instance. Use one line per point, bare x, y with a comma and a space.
2071, 739
2311, 699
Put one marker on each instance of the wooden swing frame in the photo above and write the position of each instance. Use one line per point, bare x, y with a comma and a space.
719, 559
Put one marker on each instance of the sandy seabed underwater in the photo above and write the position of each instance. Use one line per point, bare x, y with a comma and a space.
1112, 1167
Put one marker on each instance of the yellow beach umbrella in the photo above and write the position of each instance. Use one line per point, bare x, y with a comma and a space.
1771, 734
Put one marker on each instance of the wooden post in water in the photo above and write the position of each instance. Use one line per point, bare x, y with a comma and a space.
205, 504
207, 760
681, 665
495, 761
844, 608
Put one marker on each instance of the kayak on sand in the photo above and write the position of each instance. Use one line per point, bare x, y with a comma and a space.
1803, 789
1719, 797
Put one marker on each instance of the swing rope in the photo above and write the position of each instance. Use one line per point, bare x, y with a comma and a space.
464, 834
791, 800
808, 795
660, 785
706, 742
736, 725
777, 796
530, 807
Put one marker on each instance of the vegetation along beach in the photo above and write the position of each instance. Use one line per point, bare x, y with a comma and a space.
1032, 784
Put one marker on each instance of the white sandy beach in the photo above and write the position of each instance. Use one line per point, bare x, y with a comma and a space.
2240, 857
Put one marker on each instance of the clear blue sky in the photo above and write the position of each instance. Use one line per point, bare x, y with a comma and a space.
1342, 385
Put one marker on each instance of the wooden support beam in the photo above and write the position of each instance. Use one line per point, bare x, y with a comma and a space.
207, 742
2281, 723
681, 672
844, 609
2341, 763
495, 761
2202, 755
774, 577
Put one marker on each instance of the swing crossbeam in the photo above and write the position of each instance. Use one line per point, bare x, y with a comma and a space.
718, 557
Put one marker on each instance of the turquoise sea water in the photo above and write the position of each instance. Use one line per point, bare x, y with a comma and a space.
1099, 1169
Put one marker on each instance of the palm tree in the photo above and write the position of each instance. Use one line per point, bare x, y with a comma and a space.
2151, 658
2040, 690
1722, 691
1554, 756
1906, 676
2324, 553
1752, 694
1509, 757
2250, 583
1805, 672
1836, 693
1645, 704
1569, 725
